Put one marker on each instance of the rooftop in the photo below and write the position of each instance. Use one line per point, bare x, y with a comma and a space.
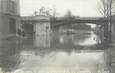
35, 18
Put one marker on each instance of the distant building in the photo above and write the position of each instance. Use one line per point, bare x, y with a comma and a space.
36, 25
9, 16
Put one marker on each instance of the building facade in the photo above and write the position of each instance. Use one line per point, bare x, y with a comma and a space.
36, 25
9, 16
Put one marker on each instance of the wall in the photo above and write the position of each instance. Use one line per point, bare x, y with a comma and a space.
42, 41
42, 28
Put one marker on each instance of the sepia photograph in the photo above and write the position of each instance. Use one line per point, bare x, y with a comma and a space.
57, 36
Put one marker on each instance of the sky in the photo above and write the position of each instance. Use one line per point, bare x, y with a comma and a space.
83, 8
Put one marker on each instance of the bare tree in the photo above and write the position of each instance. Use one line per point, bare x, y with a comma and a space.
35, 13
106, 9
48, 12
42, 11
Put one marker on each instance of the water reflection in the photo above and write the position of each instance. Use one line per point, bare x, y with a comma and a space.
56, 61
56, 40
77, 40
91, 40
9, 58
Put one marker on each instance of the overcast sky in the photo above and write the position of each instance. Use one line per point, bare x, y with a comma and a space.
83, 8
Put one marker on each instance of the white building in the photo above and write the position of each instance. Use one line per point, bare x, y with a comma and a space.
36, 25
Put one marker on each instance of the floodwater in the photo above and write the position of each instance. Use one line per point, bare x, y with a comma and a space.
54, 53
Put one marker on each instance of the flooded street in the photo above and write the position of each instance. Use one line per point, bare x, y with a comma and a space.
54, 53
57, 36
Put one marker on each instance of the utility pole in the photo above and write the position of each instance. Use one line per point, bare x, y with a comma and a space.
110, 17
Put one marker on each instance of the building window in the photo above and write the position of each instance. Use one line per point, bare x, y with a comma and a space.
47, 27
12, 25
12, 6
